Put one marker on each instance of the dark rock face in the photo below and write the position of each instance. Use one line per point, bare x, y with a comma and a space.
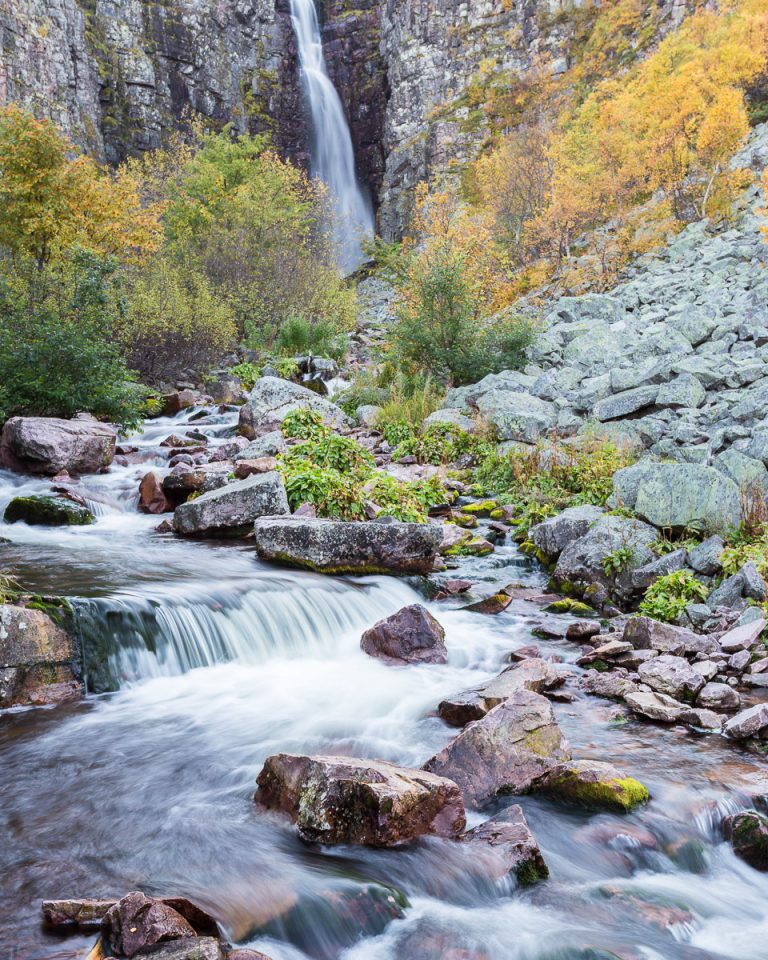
48, 445
343, 800
137, 922
511, 749
748, 833
412, 635
336, 546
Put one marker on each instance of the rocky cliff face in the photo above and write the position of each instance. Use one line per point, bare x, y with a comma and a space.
117, 74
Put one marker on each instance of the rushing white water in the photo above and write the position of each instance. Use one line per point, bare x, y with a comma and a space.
333, 158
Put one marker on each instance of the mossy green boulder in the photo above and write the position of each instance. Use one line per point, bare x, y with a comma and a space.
748, 833
480, 508
568, 605
595, 785
47, 511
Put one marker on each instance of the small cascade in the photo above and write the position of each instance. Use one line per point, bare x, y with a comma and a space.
333, 158
131, 637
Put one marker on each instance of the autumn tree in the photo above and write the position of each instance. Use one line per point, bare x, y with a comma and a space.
52, 200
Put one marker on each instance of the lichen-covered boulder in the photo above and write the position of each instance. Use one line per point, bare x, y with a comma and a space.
748, 833
509, 750
679, 496
582, 562
517, 416
673, 676
46, 511
272, 399
412, 635
233, 508
594, 784
267, 445
505, 845
49, 445
345, 800
338, 546
553, 535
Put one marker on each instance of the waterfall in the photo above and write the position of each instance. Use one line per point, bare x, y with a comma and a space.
333, 159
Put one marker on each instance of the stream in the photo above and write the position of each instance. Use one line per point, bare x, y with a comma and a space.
202, 661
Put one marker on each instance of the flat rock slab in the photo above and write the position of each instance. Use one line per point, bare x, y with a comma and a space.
742, 638
338, 546
345, 800
645, 633
49, 445
412, 635
505, 845
233, 507
748, 723
655, 706
513, 747
531, 674
81, 914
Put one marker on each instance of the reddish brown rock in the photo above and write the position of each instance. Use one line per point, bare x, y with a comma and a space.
174, 403
511, 749
532, 674
505, 844
137, 922
151, 496
80, 914
344, 800
412, 635
528, 652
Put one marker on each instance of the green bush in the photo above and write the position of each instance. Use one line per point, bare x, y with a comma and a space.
331, 451
440, 443
335, 495
668, 597
303, 424
299, 336
247, 373
57, 357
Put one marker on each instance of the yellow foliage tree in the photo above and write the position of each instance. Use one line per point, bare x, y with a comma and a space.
51, 200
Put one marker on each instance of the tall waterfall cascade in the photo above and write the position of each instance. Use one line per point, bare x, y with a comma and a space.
332, 153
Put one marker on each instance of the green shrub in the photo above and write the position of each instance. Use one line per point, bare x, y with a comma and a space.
57, 357
299, 336
174, 321
304, 424
410, 402
247, 373
440, 443
334, 494
331, 451
287, 368
668, 597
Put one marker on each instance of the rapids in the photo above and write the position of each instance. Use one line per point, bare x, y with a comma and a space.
202, 661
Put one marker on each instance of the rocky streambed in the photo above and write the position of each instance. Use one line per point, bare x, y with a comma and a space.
506, 838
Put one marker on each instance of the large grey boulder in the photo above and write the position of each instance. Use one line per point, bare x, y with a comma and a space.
673, 676
553, 535
337, 546
748, 473
679, 496
655, 706
272, 399
268, 445
232, 508
517, 416
451, 416
683, 391
48, 445
510, 750
345, 800
622, 404
581, 562
645, 633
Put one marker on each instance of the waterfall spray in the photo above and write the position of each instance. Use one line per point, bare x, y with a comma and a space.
333, 159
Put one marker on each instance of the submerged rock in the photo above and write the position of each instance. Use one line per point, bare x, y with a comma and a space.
48, 445
76, 914
344, 800
509, 750
272, 399
47, 512
412, 635
748, 833
152, 498
505, 844
594, 784
338, 546
233, 507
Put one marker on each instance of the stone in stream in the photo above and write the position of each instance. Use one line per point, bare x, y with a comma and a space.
78, 914
152, 498
490, 606
339, 546
272, 399
188, 948
232, 508
246, 468
655, 706
718, 696
505, 845
672, 676
645, 633
513, 747
137, 922
615, 685
47, 511
344, 800
532, 674
751, 722
748, 834
583, 630
594, 784
412, 635
49, 445
553, 535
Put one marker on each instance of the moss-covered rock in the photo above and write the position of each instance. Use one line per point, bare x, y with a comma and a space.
748, 833
568, 605
480, 508
595, 785
47, 511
